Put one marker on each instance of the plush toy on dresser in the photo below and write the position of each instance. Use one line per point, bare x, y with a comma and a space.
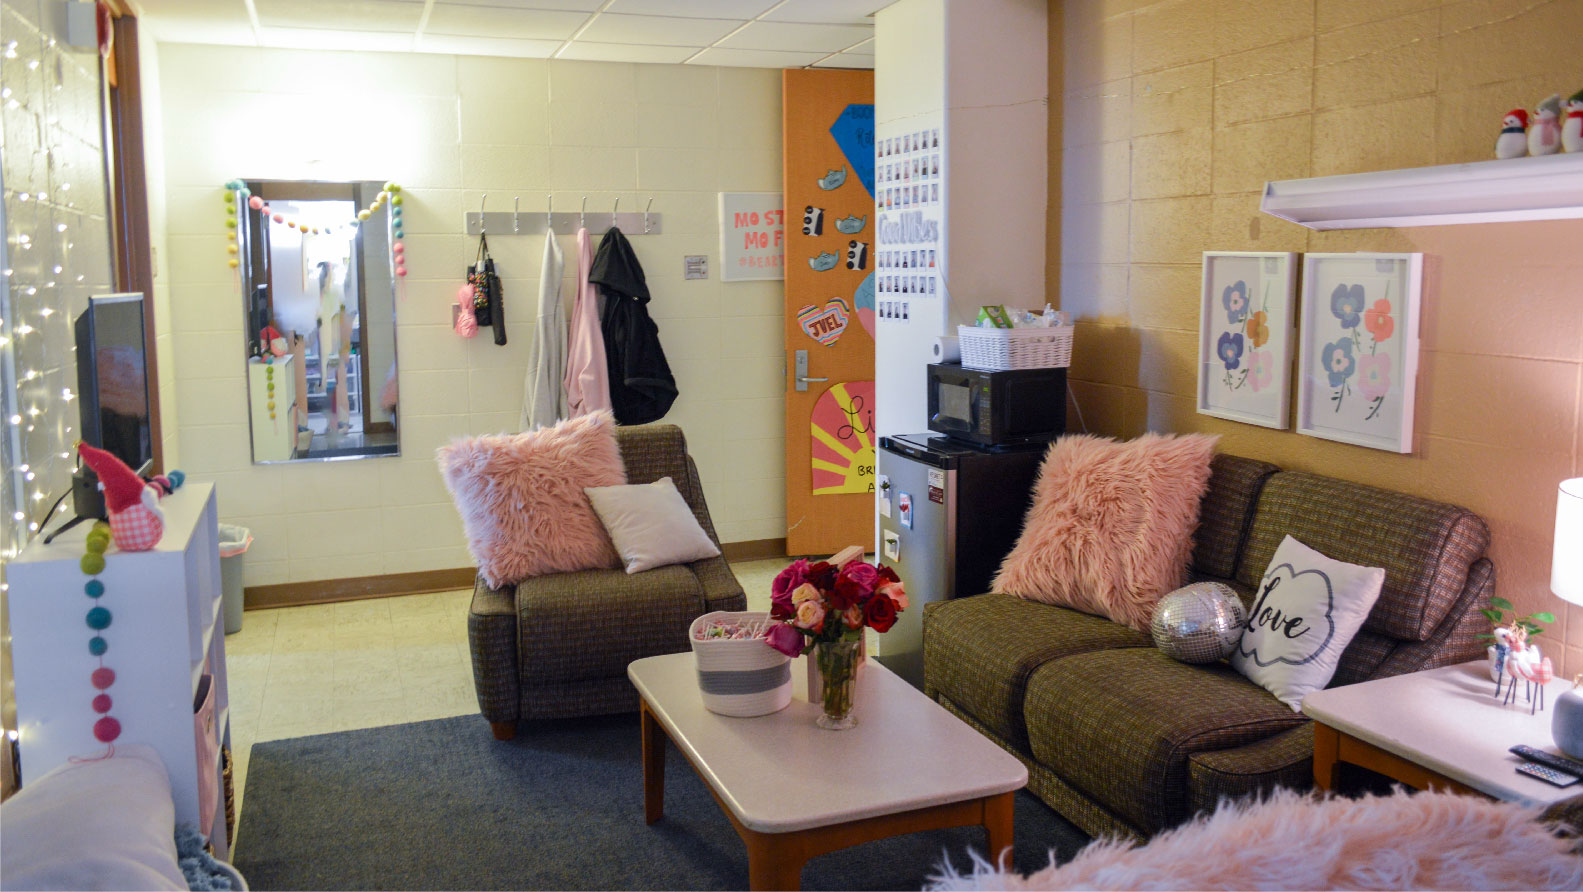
1513, 141
1572, 130
136, 521
1544, 137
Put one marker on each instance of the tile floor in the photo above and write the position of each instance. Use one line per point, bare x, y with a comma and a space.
296, 671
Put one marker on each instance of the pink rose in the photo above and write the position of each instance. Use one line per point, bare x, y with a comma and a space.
785, 582
810, 616
862, 574
896, 592
785, 639
852, 617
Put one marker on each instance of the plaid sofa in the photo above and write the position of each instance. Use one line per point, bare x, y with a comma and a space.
558, 645
1120, 738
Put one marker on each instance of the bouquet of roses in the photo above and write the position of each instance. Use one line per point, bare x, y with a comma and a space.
821, 602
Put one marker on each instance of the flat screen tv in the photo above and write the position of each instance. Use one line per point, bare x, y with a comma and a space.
112, 379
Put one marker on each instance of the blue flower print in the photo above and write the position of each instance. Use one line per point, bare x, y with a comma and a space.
1230, 349
1339, 362
1346, 304
1235, 298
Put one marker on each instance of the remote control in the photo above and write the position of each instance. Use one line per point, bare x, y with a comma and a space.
1549, 760
1548, 775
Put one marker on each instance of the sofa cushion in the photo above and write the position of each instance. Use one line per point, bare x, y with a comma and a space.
979, 651
1425, 547
591, 624
1226, 513
1120, 725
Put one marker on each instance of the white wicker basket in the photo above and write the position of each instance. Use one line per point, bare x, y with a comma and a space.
740, 676
1002, 349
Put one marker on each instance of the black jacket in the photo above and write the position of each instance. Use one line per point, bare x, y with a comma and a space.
642, 387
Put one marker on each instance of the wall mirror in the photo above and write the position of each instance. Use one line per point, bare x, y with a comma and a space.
319, 299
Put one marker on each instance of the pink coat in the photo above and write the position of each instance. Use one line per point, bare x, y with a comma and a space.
587, 380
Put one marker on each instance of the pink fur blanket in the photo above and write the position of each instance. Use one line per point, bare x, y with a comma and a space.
1292, 841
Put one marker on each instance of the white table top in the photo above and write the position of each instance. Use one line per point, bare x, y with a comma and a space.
780, 772
1448, 720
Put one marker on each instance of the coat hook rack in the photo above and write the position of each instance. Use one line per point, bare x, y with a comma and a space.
478, 222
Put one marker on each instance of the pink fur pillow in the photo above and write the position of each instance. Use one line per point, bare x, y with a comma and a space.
521, 497
1111, 527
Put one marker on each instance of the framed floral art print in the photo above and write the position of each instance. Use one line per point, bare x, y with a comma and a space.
1245, 321
1358, 354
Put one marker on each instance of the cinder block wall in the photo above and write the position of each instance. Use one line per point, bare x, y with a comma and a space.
1175, 113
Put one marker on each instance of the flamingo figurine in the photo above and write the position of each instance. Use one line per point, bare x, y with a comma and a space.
1525, 662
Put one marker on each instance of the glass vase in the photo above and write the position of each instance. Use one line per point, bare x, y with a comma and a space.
837, 661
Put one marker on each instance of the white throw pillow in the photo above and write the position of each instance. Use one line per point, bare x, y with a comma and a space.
650, 524
1304, 614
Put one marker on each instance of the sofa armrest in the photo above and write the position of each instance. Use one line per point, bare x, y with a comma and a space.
722, 591
1283, 760
1455, 640
492, 639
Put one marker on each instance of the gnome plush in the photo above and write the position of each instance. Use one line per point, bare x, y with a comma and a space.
136, 522
1572, 129
1544, 137
1513, 141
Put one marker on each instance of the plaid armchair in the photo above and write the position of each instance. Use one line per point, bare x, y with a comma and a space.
558, 645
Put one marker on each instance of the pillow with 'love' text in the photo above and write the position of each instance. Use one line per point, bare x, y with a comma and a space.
1305, 613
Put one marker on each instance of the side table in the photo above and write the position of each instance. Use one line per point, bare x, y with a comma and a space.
1442, 729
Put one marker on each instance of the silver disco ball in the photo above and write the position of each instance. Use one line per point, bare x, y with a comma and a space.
1198, 623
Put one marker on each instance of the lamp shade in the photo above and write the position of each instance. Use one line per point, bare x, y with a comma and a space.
1566, 567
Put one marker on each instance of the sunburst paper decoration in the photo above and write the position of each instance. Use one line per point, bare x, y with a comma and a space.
843, 439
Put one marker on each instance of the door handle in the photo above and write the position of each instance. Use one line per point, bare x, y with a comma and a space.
801, 366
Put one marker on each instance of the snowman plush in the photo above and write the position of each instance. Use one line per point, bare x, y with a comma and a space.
1572, 130
1544, 137
1513, 141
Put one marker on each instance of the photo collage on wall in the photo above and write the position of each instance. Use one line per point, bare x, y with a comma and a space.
909, 181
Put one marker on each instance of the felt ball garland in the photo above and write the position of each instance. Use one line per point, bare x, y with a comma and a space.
106, 728
237, 189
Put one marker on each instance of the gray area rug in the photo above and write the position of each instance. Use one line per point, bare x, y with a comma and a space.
443, 805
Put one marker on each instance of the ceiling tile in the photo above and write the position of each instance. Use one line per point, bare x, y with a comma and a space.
657, 30
198, 21
488, 46
755, 58
572, 5
797, 37
349, 15
496, 21
693, 9
330, 39
828, 11
626, 52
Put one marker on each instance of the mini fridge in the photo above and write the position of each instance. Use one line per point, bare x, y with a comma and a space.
949, 512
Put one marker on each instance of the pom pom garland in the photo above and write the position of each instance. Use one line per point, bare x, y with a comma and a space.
103, 677
106, 729
237, 188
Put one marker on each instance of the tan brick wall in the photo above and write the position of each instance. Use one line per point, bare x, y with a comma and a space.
1175, 113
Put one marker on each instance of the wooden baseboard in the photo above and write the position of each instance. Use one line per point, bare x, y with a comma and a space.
329, 591
754, 550
326, 591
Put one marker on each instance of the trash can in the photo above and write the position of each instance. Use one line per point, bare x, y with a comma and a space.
234, 541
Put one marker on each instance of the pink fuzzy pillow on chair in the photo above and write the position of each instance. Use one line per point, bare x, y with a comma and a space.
1111, 527
522, 502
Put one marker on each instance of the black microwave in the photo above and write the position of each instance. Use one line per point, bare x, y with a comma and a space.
1008, 408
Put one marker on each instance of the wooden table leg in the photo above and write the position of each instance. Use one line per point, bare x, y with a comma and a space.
775, 861
653, 766
998, 820
1327, 750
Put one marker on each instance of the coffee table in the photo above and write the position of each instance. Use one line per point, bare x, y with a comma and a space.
794, 790
1438, 729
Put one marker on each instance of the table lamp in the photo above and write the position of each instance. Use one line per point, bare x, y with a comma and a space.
1566, 580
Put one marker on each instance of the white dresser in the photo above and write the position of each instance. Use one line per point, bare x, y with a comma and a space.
273, 438
164, 607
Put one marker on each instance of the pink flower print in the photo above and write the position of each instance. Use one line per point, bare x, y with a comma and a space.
1374, 375
1261, 369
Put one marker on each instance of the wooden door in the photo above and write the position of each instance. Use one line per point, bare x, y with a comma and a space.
829, 194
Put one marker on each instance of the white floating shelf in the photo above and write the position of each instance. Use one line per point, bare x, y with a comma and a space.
1544, 188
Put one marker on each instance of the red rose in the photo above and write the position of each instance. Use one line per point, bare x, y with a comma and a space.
822, 575
881, 613
886, 574
847, 592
